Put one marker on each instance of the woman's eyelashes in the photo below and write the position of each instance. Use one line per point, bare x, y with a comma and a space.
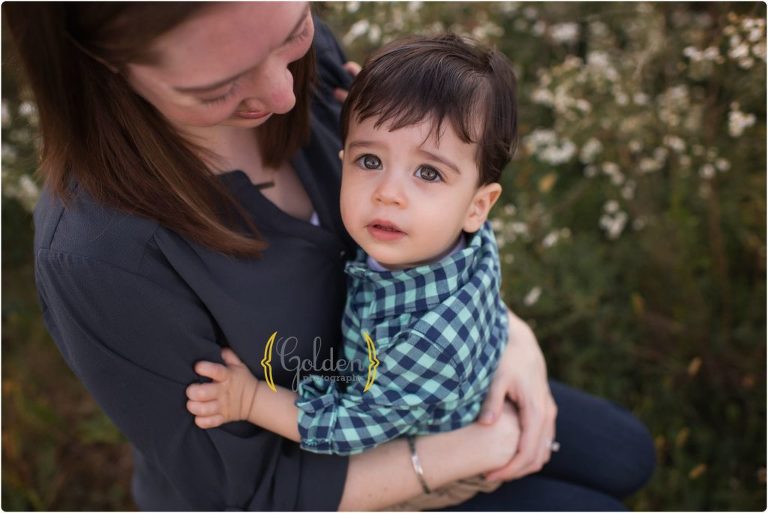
424, 172
224, 97
299, 36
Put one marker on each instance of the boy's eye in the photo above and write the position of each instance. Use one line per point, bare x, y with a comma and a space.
369, 162
429, 174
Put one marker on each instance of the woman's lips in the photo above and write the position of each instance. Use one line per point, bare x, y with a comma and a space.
384, 231
252, 114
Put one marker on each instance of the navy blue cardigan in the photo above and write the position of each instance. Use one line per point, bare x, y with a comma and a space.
132, 306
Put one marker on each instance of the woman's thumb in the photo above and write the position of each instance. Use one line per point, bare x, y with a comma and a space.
492, 405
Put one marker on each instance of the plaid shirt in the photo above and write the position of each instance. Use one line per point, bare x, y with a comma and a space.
438, 329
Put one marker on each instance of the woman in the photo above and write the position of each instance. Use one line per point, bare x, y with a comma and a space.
191, 203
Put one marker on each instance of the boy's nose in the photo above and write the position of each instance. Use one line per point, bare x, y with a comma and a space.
389, 193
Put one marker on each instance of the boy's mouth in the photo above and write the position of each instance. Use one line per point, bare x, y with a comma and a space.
384, 230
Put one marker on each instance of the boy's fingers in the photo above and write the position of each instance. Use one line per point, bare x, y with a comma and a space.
212, 370
352, 68
209, 422
203, 392
204, 408
230, 358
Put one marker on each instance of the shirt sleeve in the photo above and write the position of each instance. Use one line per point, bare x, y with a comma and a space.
133, 341
414, 378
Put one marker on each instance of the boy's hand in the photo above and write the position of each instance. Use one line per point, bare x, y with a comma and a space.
229, 398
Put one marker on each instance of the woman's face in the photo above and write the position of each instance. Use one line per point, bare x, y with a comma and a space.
227, 65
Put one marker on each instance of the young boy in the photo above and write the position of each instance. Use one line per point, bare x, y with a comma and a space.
428, 126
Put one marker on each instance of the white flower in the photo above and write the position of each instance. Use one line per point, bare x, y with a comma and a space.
598, 28
530, 13
352, 6
374, 35
635, 146
590, 150
551, 239
564, 32
722, 165
675, 142
613, 225
611, 207
738, 121
532, 297
539, 28
611, 168
519, 228
509, 258
509, 209
590, 171
357, 29
628, 191
649, 165
559, 154
497, 224
640, 99
542, 96
707, 171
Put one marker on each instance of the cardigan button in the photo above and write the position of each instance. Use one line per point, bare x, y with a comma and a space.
342, 253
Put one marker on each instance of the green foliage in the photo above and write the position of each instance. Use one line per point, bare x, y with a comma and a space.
632, 232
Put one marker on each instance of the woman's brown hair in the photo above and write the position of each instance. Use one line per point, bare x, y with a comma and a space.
98, 132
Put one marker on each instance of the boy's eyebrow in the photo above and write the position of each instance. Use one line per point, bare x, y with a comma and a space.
442, 160
361, 144
211, 87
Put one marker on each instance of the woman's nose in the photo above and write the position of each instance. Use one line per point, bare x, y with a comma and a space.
270, 89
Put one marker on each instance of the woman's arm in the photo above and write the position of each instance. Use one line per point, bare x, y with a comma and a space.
522, 378
385, 475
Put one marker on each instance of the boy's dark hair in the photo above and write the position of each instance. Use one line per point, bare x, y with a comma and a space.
438, 77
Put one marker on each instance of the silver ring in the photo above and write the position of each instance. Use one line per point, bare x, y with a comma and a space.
554, 446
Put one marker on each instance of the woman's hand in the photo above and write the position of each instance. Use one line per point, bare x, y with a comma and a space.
353, 69
228, 398
522, 377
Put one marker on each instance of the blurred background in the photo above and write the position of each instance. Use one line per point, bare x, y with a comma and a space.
632, 233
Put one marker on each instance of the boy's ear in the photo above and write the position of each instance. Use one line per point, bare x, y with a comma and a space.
341, 155
484, 199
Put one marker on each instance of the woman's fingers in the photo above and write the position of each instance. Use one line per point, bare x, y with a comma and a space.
494, 401
215, 371
534, 449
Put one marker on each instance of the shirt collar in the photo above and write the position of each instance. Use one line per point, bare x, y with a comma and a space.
426, 286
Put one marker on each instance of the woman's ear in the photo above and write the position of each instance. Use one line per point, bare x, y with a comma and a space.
484, 199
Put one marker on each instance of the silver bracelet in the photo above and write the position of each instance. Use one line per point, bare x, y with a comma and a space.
417, 465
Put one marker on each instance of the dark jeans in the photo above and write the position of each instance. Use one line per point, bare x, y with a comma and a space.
606, 454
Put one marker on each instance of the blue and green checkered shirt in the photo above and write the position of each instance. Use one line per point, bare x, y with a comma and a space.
438, 330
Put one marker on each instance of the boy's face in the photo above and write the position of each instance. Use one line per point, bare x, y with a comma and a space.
405, 196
